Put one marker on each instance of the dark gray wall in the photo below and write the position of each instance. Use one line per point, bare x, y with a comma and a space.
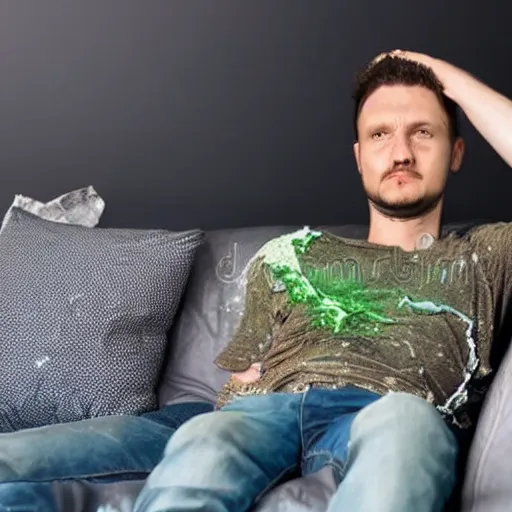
223, 113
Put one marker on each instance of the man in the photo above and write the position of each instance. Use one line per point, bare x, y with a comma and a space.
362, 354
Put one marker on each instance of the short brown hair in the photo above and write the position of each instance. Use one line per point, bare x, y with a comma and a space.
393, 70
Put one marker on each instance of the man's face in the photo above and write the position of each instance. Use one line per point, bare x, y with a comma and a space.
405, 152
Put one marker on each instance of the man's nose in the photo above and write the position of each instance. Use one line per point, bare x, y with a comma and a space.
402, 151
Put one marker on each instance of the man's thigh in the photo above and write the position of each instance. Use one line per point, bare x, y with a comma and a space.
105, 448
227, 459
327, 419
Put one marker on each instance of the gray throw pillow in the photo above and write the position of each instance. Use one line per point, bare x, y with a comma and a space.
83, 317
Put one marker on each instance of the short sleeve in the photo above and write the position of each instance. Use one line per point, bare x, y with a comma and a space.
253, 336
492, 245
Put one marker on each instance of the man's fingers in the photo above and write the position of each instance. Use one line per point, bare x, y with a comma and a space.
403, 54
252, 374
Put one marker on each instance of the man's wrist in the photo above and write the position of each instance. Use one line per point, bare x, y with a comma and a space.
442, 72
452, 78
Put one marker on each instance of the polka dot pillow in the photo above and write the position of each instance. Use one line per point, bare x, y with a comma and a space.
83, 317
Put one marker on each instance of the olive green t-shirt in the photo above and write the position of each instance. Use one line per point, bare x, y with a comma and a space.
322, 310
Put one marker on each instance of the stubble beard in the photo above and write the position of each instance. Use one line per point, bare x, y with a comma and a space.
404, 210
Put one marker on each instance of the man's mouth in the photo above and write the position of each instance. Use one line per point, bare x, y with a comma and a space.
402, 175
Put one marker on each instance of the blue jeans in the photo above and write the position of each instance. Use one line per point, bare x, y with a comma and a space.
389, 454
110, 448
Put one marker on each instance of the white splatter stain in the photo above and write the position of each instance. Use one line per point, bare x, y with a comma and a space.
411, 349
460, 396
41, 362
281, 251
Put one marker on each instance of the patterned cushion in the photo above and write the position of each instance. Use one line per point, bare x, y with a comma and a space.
84, 315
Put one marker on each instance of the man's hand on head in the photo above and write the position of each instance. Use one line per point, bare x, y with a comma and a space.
422, 58
439, 67
489, 111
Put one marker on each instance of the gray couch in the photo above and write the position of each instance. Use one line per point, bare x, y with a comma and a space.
209, 315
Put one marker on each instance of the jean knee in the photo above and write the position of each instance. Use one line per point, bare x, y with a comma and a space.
406, 409
210, 428
407, 419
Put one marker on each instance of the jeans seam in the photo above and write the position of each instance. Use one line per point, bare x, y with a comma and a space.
318, 452
348, 461
301, 417
290, 468
87, 476
345, 465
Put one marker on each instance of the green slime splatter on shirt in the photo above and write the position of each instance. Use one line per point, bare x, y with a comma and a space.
337, 304
341, 305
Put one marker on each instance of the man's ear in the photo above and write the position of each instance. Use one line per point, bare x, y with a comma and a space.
457, 154
357, 156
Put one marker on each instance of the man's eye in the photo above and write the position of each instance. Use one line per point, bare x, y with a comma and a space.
424, 133
377, 135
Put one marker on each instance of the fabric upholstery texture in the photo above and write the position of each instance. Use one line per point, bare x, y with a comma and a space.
84, 317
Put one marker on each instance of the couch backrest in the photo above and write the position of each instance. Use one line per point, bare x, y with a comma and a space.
213, 305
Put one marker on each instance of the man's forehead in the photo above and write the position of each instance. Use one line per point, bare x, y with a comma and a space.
401, 99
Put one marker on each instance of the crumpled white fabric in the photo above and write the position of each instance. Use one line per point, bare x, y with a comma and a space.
83, 207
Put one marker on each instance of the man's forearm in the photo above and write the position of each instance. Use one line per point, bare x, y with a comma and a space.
489, 111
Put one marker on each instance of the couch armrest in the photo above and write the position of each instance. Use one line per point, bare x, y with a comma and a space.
487, 484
